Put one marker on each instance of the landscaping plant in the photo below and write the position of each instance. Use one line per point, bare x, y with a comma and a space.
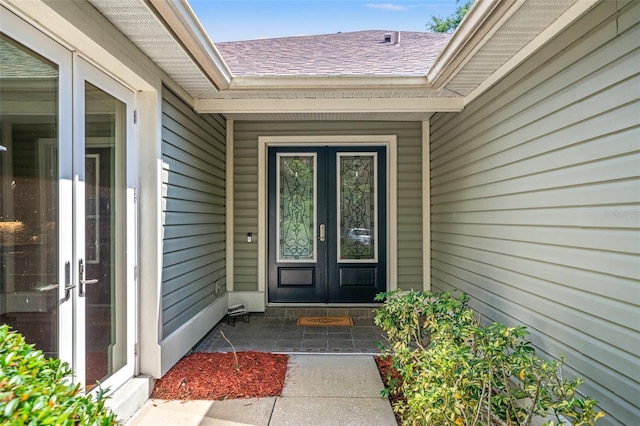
455, 371
37, 390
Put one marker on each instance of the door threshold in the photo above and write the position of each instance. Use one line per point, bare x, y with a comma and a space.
291, 311
324, 305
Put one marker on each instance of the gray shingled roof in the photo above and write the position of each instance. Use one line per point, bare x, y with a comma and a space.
353, 53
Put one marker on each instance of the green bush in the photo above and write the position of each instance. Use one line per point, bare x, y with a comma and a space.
456, 372
36, 390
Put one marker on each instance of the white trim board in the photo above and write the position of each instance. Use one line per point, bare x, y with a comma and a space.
390, 141
426, 205
315, 105
178, 343
229, 229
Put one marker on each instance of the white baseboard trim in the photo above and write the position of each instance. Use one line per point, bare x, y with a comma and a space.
254, 301
181, 341
128, 398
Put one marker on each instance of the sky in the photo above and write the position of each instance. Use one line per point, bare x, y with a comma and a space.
234, 20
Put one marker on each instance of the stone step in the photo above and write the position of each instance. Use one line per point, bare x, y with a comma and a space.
295, 312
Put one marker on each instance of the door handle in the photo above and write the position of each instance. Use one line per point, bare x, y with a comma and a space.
322, 232
47, 287
67, 282
81, 279
67, 291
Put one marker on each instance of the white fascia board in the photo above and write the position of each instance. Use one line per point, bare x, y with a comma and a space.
285, 83
482, 21
184, 23
255, 106
571, 15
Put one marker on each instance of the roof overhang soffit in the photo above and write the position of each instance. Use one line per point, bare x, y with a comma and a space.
485, 18
343, 105
180, 18
328, 95
579, 8
477, 40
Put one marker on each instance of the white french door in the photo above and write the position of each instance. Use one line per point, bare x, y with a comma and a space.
67, 213
103, 226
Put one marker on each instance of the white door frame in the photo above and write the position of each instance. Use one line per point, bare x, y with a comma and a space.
73, 71
389, 141
85, 72
30, 37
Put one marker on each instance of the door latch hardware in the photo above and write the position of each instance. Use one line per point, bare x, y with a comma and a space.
67, 281
322, 232
81, 280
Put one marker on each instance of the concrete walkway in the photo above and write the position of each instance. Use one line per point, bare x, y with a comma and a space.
319, 390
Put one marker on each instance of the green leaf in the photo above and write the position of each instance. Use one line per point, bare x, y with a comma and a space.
11, 407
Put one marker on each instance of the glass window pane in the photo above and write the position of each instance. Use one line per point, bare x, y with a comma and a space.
105, 229
296, 197
356, 201
29, 195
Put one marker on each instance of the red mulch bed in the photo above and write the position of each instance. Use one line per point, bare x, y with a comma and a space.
214, 376
389, 375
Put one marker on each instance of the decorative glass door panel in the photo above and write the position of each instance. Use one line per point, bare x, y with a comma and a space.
327, 216
296, 190
357, 201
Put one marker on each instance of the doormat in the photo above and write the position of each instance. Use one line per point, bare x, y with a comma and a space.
325, 321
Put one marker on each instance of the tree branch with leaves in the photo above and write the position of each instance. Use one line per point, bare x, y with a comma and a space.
450, 23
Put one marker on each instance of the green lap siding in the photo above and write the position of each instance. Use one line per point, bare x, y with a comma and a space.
535, 203
193, 191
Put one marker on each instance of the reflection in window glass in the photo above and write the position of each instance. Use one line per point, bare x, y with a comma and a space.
105, 231
357, 206
29, 195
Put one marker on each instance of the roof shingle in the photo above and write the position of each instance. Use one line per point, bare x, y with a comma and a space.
358, 53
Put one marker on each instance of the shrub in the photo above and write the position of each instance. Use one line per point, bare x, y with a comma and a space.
36, 390
456, 372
